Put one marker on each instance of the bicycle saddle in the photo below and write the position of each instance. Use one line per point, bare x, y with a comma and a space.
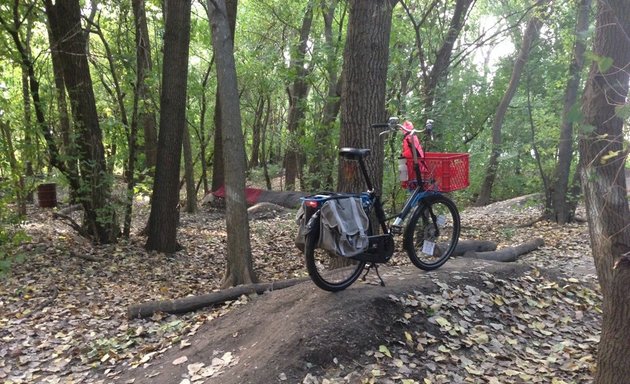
354, 153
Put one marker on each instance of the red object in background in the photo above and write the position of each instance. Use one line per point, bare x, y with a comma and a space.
449, 170
251, 194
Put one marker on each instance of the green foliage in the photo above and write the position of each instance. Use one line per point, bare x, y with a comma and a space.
11, 235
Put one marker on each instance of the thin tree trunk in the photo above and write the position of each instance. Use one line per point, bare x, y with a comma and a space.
257, 126
298, 93
144, 65
27, 63
239, 269
442, 62
189, 172
603, 154
560, 208
202, 135
531, 33
321, 168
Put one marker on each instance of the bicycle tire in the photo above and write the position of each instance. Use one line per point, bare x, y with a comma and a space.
324, 268
432, 233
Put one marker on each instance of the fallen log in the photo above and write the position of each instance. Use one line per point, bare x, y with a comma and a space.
192, 303
507, 254
464, 246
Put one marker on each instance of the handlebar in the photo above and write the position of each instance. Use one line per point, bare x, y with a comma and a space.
393, 125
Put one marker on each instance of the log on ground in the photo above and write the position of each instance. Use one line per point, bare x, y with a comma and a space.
464, 246
507, 254
192, 303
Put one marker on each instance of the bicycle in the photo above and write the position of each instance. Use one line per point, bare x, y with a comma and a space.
431, 232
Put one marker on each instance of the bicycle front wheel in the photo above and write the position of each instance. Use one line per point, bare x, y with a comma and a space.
432, 233
327, 270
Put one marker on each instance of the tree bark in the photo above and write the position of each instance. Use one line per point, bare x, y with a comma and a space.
561, 210
531, 33
164, 215
603, 154
239, 269
218, 167
364, 83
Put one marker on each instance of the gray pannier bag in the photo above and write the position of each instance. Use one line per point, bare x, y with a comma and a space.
343, 226
300, 220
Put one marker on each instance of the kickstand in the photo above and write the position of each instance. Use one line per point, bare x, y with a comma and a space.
367, 270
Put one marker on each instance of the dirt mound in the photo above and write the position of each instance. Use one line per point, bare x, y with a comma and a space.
302, 331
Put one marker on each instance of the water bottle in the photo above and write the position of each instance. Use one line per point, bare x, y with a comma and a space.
402, 169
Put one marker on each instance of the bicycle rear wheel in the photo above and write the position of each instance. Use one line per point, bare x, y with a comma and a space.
327, 270
432, 233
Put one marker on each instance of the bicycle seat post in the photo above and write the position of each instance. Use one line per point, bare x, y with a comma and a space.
358, 154
366, 177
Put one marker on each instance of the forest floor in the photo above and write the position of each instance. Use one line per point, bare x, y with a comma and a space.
63, 310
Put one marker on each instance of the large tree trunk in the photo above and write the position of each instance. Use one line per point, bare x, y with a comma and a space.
94, 194
298, 93
561, 210
239, 257
164, 216
363, 94
531, 33
218, 167
603, 154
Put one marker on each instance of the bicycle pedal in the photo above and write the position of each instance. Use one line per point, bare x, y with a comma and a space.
395, 229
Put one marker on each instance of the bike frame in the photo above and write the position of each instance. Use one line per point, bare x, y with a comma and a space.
418, 194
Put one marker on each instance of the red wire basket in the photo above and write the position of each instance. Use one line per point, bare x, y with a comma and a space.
448, 170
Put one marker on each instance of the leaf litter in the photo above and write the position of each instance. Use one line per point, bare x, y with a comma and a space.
63, 317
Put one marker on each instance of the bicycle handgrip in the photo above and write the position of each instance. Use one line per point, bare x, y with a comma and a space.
380, 125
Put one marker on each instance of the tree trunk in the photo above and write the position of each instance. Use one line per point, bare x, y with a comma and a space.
531, 33
363, 93
218, 167
321, 167
442, 62
189, 172
297, 102
239, 257
94, 194
38, 105
259, 119
202, 134
560, 210
146, 114
143, 117
603, 154
164, 216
